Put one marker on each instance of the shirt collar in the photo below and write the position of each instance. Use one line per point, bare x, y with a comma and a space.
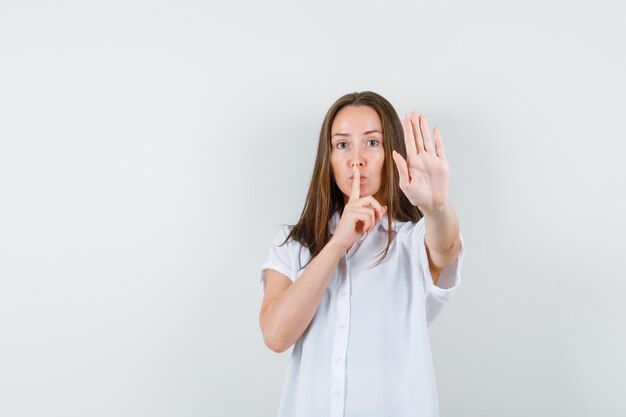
334, 220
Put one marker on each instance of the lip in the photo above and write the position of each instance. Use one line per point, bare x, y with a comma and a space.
352, 177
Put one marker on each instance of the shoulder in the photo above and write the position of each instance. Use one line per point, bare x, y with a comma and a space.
400, 226
281, 238
409, 227
282, 233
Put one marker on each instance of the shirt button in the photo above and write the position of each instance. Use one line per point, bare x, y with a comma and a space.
343, 293
342, 326
337, 360
337, 392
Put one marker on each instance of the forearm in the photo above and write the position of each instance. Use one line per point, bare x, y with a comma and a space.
286, 318
442, 230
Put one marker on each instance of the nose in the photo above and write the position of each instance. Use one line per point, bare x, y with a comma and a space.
356, 159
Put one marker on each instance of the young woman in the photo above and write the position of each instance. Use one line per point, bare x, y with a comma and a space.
375, 256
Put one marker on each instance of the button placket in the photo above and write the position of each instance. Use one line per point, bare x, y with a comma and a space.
341, 345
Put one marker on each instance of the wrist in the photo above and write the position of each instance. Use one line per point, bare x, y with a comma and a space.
335, 246
435, 210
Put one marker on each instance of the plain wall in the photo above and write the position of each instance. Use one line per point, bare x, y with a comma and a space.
151, 149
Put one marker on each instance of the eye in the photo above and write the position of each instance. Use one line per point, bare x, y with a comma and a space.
341, 145
373, 140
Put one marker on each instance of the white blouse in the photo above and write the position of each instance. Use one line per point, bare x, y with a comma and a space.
366, 353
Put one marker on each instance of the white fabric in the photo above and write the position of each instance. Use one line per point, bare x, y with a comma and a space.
366, 352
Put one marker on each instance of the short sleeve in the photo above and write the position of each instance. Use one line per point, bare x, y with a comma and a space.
280, 258
436, 296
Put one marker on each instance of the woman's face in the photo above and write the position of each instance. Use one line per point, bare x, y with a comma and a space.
357, 138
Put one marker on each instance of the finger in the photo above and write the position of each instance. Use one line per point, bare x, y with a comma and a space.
356, 184
368, 200
428, 145
378, 208
360, 214
409, 138
371, 217
439, 143
419, 139
403, 170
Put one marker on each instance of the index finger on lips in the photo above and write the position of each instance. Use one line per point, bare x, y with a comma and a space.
356, 184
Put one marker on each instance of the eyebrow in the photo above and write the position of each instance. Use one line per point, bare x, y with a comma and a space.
365, 133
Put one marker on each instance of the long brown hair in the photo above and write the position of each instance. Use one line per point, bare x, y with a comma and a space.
325, 197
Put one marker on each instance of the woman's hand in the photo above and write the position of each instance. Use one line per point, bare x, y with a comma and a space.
425, 174
359, 215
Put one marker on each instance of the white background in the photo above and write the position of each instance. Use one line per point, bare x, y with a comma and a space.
151, 149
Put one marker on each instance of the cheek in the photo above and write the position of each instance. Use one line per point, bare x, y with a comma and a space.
338, 161
378, 161
335, 165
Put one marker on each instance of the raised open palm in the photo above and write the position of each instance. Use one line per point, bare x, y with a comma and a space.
425, 174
